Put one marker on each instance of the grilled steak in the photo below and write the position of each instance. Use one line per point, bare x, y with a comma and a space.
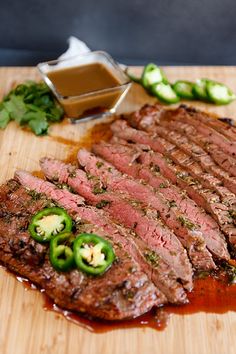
122, 157
108, 296
177, 174
148, 116
226, 129
185, 159
196, 119
162, 191
160, 272
159, 238
168, 210
188, 142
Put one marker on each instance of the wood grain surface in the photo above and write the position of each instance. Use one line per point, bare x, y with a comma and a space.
25, 327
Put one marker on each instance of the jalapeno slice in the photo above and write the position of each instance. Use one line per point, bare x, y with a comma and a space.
49, 222
184, 89
93, 255
219, 93
200, 91
152, 74
164, 93
61, 253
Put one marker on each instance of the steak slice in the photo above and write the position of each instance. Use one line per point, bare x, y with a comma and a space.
213, 121
125, 158
168, 210
107, 296
190, 116
142, 222
204, 197
161, 274
223, 159
186, 160
149, 116
160, 144
188, 142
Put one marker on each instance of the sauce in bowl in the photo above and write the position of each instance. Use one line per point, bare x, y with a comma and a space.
88, 86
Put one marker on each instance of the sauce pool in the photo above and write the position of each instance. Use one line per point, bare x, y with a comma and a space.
210, 295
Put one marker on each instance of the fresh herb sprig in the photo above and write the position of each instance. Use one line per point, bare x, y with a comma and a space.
30, 104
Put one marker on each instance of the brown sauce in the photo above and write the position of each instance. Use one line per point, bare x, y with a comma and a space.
210, 295
99, 132
74, 82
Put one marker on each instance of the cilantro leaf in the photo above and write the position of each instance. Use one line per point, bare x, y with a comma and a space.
39, 126
16, 107
31, 104
4, 118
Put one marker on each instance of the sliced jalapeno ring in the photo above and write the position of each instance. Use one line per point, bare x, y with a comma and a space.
164, 93
219, 93
93, 255
184, 89
152, 74
200, 91
61, 254
49, 222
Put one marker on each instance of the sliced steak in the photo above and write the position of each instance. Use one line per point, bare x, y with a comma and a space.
149, 116
107, 296
188, 142
122, 156
186, 160
223, 159
204, 197
221, 125
169, 211
143, 222
139, 252
156, 141
190, 116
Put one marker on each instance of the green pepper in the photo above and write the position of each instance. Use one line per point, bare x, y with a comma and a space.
61, 253
165, 93
152, 74
93, 255
184, 89
48, 222
219, 93
200, 91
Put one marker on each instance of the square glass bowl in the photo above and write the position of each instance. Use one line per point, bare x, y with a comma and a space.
91, 104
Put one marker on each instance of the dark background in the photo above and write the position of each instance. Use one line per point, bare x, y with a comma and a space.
133, 31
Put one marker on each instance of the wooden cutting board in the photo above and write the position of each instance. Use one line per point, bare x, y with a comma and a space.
25, 327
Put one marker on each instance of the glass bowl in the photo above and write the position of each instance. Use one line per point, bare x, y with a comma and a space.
92, 104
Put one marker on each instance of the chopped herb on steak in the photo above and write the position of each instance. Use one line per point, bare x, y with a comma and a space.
99, 164
152, 258
98, 189
172, 204
185, 222
232, 213
102, 204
